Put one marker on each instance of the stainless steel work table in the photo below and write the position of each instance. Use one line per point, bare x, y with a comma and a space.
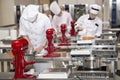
9, 76
5, 46
77, 75
5, 58
37, 59
112, 29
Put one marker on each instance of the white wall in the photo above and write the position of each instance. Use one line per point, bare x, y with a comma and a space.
6, 16
6, 12
0, 13
24, 2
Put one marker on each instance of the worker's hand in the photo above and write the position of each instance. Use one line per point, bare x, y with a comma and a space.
79, 28
97, 36
58, 33
39, 49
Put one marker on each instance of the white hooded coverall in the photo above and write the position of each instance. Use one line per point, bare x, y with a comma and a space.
65, 18
34, 25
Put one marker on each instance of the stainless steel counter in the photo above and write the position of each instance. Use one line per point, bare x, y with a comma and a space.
6, 75
7, 59
112, 29
9, 76
100, 75
65, 57
37, 59
5, 46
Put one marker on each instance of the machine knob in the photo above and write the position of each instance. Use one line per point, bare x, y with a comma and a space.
72, 22
49, 31
63, 26
19, 44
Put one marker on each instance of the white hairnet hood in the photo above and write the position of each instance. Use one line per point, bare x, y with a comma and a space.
45, 7
94, 9
30, 12
54, 7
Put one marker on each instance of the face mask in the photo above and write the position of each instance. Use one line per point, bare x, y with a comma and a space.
30, 13
90, 18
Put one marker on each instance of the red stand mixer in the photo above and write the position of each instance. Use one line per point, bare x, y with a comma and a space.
64, 39
19, 47
50, 48
72, 32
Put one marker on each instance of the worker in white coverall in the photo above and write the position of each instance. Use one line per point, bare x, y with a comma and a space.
60, 17
33, 26
90, 24
46, 11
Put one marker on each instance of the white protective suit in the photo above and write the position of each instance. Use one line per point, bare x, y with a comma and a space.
65, 18
36, 31
46, 8
34, 25
90, 27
